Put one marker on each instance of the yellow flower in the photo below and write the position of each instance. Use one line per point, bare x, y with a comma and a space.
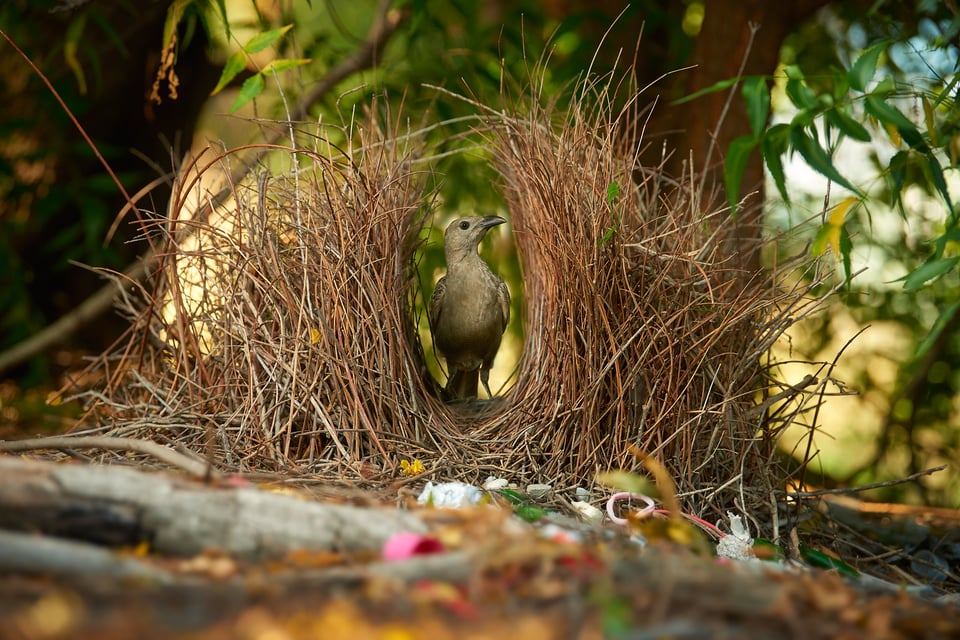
414, 468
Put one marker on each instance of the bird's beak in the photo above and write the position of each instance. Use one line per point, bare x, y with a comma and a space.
491, 221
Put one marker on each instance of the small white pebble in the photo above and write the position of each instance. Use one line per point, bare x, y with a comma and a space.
535, 491
587, 511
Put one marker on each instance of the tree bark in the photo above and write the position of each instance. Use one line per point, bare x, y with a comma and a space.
727, 46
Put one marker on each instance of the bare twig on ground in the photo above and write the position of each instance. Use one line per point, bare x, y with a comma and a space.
193, 466
868, 487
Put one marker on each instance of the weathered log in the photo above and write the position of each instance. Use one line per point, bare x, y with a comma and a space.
28, 553
123, 506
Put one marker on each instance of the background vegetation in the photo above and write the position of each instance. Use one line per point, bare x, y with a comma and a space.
845, 103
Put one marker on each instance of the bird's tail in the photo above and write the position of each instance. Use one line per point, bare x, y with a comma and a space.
463, 384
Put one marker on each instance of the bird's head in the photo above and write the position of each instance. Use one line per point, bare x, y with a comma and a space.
464, 234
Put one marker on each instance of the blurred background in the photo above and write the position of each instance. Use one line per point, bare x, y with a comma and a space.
835, 121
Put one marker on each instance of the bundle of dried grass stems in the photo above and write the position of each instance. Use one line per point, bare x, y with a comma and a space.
281, 330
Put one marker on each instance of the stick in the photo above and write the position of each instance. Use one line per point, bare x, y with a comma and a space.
868, 487
148, 447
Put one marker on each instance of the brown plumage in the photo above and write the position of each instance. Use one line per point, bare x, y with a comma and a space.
469, 309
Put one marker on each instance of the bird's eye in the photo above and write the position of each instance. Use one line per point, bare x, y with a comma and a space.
464, 225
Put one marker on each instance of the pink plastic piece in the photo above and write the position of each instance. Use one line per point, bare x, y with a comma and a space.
624, 496
404, 545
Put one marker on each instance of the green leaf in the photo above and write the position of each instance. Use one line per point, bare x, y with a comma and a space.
283, 64
738, 154
831, 234
172, 20
767, 550
515, 497
252, 87
863, 69
940, 243
799, 93
841, 86
838, 239
222, 14
613, 191
929, 270
947, 91
627, 481
934, 173
803, 118
757, 95
847, 125
717, 86
929, 118
773, 145
897, 176
71, 45
530, 513
846, 253
823, 561
606, 236
263, 40
887, 114
822, 240
938, 326
885, 87
818, 158
235, 64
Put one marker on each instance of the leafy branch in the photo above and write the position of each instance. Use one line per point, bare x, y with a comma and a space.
237, 62
854, 105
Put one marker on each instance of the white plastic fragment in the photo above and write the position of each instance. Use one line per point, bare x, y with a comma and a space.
582, 494
450, 495
587, 511
557, 533
493, 483
738, 545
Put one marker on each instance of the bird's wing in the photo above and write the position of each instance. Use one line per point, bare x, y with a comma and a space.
504, 295
436, 302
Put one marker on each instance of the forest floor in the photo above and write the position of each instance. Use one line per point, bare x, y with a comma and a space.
490, 574
532, 589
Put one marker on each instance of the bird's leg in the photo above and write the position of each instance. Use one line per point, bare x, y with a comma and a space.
485, 379
451, 376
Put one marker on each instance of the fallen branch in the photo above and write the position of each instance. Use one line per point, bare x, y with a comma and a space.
868, 487
121, 506
29, 553
192, 466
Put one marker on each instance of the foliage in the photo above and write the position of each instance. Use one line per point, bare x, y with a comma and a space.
52, 212
889, 90
237, 62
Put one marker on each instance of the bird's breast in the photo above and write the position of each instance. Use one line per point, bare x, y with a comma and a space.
472, 318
